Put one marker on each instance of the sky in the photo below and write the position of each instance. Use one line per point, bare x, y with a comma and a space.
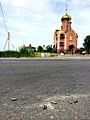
35, 21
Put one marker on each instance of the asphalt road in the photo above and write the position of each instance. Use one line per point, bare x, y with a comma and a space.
44, 89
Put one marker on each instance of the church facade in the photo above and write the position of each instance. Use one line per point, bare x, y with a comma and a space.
65, 38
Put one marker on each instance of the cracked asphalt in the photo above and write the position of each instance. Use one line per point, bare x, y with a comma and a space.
62, 85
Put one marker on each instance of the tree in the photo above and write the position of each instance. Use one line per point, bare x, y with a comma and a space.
86, 44
23, 50
49, 48
26, 52
40, 49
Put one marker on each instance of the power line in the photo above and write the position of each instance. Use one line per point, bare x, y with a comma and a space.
3, 17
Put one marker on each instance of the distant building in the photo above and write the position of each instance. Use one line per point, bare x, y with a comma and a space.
66, 37
31, 47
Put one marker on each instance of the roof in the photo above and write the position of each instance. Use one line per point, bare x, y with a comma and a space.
66, 16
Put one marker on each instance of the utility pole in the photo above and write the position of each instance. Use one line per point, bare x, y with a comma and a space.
7, 43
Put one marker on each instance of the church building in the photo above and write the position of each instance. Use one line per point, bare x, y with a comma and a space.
65, 38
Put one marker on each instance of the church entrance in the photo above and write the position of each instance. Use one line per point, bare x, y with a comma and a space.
71, 48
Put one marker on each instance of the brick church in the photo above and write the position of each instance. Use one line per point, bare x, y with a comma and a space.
65, 38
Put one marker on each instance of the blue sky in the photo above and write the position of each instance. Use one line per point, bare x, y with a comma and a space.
34, 21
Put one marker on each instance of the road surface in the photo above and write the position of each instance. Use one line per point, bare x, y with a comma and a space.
43, 89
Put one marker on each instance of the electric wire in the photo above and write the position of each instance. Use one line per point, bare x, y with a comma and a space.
3, 18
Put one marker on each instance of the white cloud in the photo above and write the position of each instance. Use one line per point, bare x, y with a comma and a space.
16, 3
19, 3
80, 3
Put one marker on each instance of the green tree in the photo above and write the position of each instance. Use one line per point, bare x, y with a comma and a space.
49, 48
26, 52
44, 48
86, 44
23, 51
40, 49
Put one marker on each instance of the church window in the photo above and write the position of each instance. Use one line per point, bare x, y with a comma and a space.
61, 43
62, 36
70, 37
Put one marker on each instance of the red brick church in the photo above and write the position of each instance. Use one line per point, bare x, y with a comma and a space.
66, 37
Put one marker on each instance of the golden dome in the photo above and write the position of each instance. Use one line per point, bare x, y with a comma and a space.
66, 16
